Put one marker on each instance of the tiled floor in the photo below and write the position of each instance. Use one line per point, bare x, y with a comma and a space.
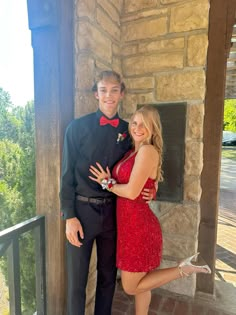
164, 303
226, 247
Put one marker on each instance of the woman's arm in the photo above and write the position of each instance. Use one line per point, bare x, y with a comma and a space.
144, 167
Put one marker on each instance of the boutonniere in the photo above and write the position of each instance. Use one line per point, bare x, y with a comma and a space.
121, 137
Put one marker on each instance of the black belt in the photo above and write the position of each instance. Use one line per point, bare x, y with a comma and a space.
97, 201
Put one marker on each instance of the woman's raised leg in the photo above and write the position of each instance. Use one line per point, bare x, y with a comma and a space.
138, 282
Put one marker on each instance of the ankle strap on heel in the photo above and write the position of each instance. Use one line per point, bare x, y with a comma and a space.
182, 273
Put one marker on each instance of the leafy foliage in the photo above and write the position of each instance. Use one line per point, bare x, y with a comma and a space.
8, 122
17, 184
230, 115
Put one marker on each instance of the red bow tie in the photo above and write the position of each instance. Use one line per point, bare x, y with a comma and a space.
113, 122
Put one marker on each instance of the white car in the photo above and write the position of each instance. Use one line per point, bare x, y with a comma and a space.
229, 138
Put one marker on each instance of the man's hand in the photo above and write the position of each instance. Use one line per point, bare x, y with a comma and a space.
73, 227
150, 194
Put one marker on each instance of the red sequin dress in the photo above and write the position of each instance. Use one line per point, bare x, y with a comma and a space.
139, 239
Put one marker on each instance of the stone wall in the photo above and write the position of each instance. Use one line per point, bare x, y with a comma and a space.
97, 46
160, 48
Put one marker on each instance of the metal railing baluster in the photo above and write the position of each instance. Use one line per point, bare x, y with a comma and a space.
9, 244
14, 277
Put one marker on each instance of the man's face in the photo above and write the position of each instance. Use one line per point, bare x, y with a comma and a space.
109, 94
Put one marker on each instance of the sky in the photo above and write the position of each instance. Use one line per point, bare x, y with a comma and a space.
16, 53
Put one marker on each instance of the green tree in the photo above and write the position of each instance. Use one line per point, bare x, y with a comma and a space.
230, 115
8, 122
17, 184
10, 170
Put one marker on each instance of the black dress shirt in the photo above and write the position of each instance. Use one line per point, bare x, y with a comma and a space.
85, 143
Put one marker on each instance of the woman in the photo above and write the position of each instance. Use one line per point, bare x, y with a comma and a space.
139, 245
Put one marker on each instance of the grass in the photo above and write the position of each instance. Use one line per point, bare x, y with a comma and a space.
229, 153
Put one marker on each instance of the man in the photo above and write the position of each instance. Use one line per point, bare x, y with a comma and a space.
89, 210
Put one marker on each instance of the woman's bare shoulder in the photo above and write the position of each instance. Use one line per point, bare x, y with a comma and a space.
148, 150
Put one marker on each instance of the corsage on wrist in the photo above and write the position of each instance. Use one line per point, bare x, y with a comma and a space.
108, 183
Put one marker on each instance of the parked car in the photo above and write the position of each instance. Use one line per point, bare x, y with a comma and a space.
229, 138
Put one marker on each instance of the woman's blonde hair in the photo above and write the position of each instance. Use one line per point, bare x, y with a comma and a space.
151, 120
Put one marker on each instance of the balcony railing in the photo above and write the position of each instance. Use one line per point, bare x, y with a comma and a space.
9, 245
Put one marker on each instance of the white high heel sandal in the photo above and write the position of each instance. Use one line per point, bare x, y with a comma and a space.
188, 262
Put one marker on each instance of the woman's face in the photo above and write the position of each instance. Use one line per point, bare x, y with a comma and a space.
138, 130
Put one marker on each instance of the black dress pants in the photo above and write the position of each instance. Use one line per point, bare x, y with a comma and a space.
99, 223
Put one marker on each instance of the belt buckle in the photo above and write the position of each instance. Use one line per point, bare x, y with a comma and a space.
95, 200
100, 201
